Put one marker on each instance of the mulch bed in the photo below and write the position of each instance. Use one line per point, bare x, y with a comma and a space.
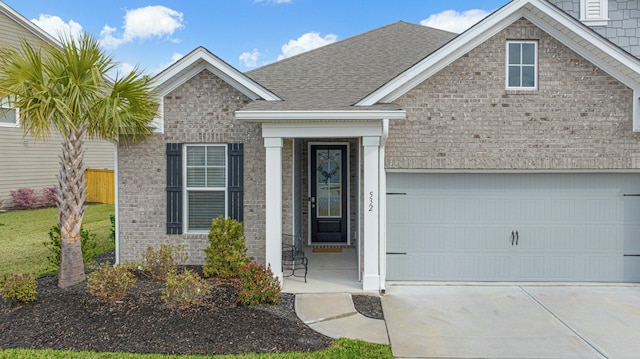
142, 322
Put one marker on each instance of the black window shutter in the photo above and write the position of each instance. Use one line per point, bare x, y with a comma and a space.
235, 175
174, 188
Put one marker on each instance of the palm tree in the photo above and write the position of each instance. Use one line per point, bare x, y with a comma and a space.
65, 88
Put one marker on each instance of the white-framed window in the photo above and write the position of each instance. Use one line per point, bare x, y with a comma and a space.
594, 12
522, 65
8, 115
205, 176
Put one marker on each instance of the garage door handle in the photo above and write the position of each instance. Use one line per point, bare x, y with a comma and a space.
513, 237
401, 253
517, 237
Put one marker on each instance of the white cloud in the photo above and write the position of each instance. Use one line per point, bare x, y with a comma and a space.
107, 40
144, 23
125, 69
57, 28
174, 57
250, 59
306, 42
451, 20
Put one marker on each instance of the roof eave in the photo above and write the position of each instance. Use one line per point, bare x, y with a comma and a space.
200, 59
355, 115
30, 26
609, 57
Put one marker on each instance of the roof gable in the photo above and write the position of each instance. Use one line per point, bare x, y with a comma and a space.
26, 24
201, 59
569, 31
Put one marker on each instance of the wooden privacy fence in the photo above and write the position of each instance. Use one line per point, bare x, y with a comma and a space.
100, 186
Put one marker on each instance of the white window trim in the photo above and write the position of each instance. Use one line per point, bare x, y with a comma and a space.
535, 65
602, 19
185, 194
3, 105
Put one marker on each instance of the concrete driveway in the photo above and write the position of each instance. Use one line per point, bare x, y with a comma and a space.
513, 321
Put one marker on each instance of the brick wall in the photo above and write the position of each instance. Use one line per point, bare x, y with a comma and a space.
623, 27
199, 111
463, 118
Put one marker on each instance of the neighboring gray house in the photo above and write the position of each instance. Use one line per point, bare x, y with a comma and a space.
24, 161
509, 152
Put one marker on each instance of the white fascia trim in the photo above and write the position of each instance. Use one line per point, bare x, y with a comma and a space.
267, 116
220, 68
158, 122
447, 54
491, 25
30, 26
624, 58
636, 110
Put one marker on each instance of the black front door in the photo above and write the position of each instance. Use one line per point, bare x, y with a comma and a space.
329, 183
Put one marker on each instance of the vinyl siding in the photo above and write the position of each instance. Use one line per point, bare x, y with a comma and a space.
25, 162
35, 164
11, 32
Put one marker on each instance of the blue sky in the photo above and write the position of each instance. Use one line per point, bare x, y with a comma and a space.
245, 33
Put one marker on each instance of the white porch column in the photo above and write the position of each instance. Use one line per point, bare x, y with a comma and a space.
371, 207
273, 205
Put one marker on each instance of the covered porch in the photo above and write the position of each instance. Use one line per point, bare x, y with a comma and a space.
293, 142
329, 272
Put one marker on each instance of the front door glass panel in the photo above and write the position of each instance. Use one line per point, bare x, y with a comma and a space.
329, 183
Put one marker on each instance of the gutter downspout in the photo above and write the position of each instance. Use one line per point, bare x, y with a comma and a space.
636, 110
117, 207
382, 227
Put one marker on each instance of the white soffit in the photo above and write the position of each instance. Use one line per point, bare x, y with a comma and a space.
615, 61
201, 59
279, 116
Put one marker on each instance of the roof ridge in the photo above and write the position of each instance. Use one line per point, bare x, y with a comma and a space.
345, 40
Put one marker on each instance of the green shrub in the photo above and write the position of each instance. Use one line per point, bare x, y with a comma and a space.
158, 263
88, 244
185, 289
112, 233
258, 285
109, 283
226, 252
20, 287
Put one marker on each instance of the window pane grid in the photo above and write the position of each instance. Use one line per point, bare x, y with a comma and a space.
206, 176
206, 167
521, 65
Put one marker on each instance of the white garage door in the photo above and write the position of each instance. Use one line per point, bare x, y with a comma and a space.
513, 227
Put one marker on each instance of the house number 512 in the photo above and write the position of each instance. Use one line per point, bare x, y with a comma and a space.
371, 201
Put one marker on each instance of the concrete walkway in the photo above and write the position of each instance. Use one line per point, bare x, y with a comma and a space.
513, 321
334, 315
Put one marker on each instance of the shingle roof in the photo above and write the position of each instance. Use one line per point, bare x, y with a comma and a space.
336, 76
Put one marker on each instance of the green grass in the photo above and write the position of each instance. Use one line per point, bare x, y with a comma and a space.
341, 349
23, 232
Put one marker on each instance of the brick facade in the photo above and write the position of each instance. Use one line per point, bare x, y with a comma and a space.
623, 26
462, 118
200, 111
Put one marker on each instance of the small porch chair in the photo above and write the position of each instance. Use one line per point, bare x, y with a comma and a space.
293, 257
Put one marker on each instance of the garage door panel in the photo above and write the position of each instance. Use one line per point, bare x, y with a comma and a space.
571, 227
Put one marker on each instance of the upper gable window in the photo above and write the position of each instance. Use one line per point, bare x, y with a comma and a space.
594, 12
8, 115
522, 65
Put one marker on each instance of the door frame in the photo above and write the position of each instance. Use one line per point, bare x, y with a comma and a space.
348, 194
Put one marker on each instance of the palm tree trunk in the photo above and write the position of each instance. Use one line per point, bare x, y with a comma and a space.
71, 197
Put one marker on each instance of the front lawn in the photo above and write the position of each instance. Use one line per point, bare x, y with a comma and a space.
22, 233
342, 349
